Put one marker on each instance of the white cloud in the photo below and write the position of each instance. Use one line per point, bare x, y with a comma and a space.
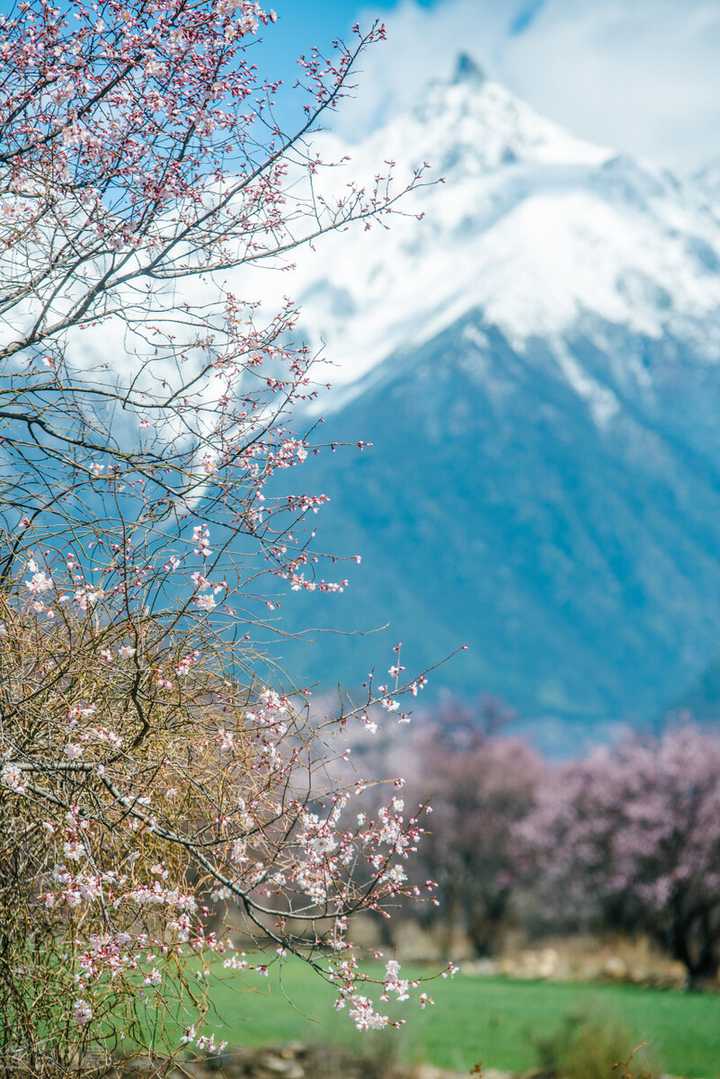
642, 76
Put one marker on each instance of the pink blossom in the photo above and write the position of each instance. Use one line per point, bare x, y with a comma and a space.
12, 777
39, 582
82, 1012
205, 602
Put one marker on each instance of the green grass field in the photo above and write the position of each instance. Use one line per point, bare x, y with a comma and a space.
492, 1020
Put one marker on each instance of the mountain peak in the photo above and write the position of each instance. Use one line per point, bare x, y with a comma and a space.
467, 69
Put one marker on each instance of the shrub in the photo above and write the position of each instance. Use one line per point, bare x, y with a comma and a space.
596, 1048
147, 768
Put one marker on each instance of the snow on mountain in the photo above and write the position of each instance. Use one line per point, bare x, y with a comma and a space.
536, 363
536, 226
707, 179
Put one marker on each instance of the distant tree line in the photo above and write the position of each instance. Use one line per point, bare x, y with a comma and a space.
626, 838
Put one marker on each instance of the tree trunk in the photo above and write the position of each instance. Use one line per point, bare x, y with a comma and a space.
384, 928
484, 922
694, 941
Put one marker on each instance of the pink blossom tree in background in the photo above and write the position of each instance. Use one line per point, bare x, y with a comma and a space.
480, 784
147, 767
629, 837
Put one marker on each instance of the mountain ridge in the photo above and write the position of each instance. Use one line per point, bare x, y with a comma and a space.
522, 200
538, 365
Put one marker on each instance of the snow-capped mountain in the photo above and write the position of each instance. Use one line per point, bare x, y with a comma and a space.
707, 180
538, 365
531, 223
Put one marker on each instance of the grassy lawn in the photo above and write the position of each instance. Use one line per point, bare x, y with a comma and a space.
493, 1020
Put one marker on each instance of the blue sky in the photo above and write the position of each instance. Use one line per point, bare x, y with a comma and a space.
640, 75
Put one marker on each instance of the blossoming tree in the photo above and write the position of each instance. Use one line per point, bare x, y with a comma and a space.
481, 784
147, 412
630, 835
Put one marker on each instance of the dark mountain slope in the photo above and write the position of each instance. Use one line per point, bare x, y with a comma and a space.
580, 560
